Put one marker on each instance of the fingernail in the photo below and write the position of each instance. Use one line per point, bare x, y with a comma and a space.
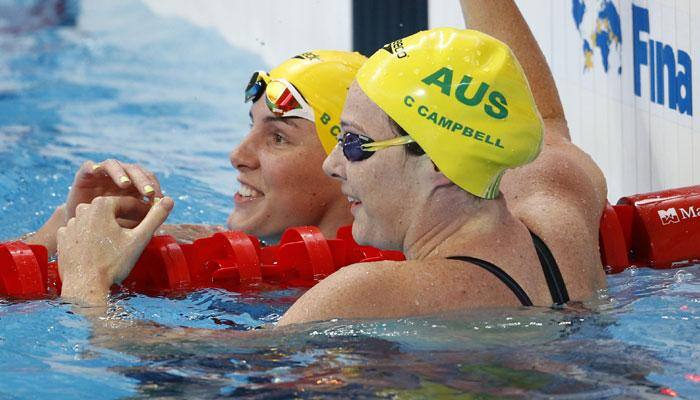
124, 179
148, 189
156, 200
96, 167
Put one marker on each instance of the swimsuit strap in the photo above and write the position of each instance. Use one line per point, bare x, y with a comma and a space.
500, 274
550, 268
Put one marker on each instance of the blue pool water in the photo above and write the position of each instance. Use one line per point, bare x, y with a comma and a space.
112, 80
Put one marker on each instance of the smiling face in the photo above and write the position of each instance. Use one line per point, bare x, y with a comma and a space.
282, 183
386, 190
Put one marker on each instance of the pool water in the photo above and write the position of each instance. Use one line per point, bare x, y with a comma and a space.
112, 80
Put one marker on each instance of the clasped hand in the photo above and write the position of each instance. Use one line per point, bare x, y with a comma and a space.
108, 178
95, 251
111, 178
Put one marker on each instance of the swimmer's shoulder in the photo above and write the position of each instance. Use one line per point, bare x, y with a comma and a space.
560, 197
355, 291
573, 169
388, 289
562, 173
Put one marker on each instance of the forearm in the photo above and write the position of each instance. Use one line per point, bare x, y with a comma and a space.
112, 328
502, 19
46, 235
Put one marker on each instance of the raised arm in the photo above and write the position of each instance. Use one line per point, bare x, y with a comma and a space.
559, 196
502, 19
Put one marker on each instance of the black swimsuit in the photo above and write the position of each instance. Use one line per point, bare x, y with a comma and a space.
555, 282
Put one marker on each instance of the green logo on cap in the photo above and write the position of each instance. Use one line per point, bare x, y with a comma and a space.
496, 107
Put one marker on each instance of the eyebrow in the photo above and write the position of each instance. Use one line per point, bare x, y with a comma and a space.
348, 124
286, 120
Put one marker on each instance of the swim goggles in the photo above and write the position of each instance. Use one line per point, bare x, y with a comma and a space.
358, 147
281, 97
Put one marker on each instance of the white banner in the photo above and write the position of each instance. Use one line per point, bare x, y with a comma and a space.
624, 69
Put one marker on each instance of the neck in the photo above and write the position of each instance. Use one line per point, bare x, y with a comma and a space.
337, 215
454, 217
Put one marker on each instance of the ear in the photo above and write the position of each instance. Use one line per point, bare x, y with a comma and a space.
436, 177
441, 180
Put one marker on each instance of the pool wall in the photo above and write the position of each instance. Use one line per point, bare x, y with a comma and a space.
597, 49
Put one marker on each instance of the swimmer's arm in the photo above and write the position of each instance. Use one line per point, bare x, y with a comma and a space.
502, 19
582, 179
111, 330
46, 235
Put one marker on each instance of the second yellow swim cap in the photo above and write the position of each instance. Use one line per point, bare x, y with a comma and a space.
323, 77
464, 98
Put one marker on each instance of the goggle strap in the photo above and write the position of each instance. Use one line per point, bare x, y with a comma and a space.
303, 109
399, 141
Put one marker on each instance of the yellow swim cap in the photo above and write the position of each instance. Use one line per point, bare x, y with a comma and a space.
323, 77
464, 98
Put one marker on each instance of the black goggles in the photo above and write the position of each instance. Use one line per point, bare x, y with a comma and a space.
359, 147
256, 86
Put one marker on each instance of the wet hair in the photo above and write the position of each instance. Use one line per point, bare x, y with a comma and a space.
411, 148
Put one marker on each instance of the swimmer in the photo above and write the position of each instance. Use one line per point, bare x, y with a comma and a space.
438, 193
295, 121
474, 235
279, 160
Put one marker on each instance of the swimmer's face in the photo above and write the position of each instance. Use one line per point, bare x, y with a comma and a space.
384, 189
282, 183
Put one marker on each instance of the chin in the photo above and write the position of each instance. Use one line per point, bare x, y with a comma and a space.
263, 230
357, 233
230, 223
234, 224
365, 236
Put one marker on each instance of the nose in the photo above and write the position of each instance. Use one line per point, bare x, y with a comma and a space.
334, 164
245, 156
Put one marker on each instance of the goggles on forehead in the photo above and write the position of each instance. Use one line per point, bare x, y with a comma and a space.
281, 97
359, 147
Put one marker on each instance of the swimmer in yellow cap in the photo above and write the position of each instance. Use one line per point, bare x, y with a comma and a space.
279, 160
440, 132
500, 210
295, 120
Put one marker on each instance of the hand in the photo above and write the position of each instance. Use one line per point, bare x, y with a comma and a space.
107, 178
95, 252
110, 178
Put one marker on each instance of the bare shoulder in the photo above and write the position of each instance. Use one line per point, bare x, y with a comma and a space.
352, 291
389, 289
561, 196
563, 172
